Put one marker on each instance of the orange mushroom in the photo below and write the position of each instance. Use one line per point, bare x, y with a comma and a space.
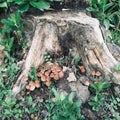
52, 75
98, 73
58, 69
82, 69
39, 74
93, 73
43, 78
31, 86
48, 78
56, 76
61, 74
47, 73
48, 83
37, 84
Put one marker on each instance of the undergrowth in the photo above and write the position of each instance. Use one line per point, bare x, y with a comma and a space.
62, 107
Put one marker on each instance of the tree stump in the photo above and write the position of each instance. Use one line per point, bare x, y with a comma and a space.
85, 32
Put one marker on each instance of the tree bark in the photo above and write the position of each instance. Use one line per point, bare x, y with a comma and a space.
54, 28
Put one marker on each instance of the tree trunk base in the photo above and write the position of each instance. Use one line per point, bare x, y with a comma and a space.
75, 27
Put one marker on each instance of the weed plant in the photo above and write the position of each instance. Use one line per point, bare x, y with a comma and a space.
108, 12
64, 107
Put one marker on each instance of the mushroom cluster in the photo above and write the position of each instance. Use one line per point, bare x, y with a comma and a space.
33, 84
50, 71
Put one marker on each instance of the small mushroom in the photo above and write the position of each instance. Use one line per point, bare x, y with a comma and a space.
56, 76
47, 73
93, 73
37, 84
58, 69
48, 83
61, 74
48, 78
42, 71
43, 78
39, 74
31, 86
52, 75
98, 73
82, 69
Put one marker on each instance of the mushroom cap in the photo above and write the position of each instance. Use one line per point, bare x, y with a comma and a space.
56, 76
52, 75
47, 73
48, 78
39, 74
82, 69
42, 71
48, 83
93, 73
37, 84
27, 87
31, 86
98, 73
43, 78
58, 69
61, 74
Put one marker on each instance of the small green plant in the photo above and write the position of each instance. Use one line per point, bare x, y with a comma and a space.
97, 100
24, 5
47, 58
64, 107
12, 32
4, 4
33, 74
108, 12
117, 67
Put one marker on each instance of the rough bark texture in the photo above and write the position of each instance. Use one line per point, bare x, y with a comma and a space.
75, 27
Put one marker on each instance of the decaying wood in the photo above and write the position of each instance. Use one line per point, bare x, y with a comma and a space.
76, 27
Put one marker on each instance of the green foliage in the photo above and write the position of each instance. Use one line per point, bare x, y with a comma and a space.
47, 58
108, 12
4, 4
98, 99
64, 107
33, 74
12, 24
12, 32
42, 5
117, 67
